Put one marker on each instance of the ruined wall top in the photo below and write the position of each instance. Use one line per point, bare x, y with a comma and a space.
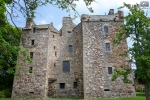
29, 23
67, 20
110, 17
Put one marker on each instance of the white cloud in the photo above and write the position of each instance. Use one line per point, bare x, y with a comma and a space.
102, 6
50, 16
58, 27
41, 22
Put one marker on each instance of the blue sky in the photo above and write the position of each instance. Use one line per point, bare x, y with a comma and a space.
49, 13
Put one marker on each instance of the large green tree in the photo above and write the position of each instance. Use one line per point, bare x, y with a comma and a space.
9, 47
136, 28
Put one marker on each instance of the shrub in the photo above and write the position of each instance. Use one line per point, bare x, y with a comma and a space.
5, 93
139, 89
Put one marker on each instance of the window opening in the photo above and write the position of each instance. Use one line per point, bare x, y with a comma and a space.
70, 47
106, 89
69, 34
75, 85
107, 46
30, 69
66, 66
62, 85
32, 42
31, 55
34, 29
109, 70
106, 29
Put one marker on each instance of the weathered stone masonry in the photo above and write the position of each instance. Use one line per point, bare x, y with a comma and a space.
77, 61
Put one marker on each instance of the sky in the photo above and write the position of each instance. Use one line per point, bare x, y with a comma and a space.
47, 14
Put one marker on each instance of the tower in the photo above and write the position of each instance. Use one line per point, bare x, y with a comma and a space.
77, 61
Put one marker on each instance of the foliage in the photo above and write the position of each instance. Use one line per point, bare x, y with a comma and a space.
139, 89
9, 47
28, 7
137, 28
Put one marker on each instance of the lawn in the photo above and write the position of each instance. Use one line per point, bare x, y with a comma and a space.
139, 96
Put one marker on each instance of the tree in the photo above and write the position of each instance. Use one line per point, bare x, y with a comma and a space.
9, 47
137, 28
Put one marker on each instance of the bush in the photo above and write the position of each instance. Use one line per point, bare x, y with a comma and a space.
139, 89
5, 93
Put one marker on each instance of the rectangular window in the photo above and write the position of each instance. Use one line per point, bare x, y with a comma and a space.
66, 66
109, 70
70, 47
31, 55
106, 29
54, 47
34, 29
32, 42
53, 36
30, 69
107, 46
69, 34
75, 85
62, 85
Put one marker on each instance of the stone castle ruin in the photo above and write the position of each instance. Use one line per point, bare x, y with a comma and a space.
77, 61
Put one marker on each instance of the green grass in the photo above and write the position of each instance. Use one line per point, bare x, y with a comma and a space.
139, 96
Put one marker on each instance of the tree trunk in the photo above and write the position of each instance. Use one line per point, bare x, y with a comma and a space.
147, 91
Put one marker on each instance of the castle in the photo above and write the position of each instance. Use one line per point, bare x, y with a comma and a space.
77, 61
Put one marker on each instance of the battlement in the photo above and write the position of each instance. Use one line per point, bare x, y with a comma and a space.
110, 17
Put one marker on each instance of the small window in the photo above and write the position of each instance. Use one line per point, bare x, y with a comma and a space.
53, 36
34, 29
70, 48
106, 89
32, 42
109, 70
30, 69
66, 66
54, 47
31, 55
107, 46
69, 34
54, 65
106, 29
62, 85
75, 85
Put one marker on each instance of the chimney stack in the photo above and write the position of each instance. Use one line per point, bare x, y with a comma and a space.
111, 12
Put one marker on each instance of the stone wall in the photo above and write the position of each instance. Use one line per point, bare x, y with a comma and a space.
78, 58
32, 85
89, 61
96, 60
56, 74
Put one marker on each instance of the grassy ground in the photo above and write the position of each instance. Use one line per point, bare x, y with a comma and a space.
139, 96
